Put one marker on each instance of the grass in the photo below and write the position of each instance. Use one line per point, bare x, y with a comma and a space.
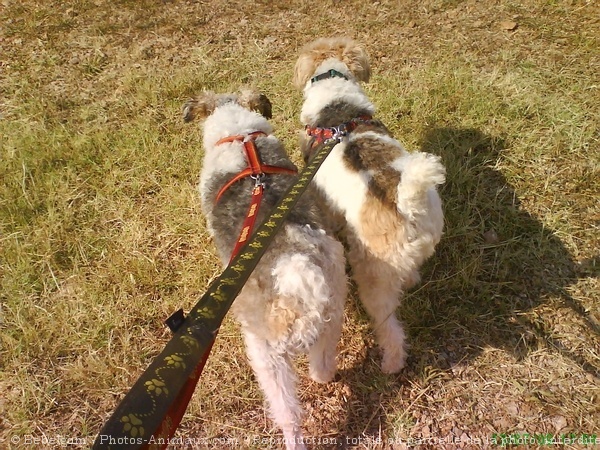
101, 237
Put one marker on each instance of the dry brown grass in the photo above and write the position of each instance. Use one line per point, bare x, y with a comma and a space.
101, 236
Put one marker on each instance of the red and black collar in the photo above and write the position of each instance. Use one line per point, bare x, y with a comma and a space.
321, 135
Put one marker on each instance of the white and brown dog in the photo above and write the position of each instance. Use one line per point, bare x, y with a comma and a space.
383, 197
293, 302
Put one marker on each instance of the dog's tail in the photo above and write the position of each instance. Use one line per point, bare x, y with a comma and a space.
421, 172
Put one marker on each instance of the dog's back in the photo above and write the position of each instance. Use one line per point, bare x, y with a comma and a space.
277, 298
223, 162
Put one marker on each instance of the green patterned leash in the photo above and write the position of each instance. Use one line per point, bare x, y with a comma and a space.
149, 414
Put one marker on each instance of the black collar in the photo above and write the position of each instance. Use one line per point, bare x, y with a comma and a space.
331, 73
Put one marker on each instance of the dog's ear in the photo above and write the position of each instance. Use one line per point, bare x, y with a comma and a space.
200, 107
304, 69
357, 60
256, 101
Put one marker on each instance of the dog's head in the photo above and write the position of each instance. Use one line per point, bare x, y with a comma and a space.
342, 49
204, 104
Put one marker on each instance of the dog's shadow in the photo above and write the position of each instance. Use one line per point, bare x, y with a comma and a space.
495, 263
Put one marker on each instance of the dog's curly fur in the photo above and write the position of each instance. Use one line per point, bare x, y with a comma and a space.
382, 197
293, 302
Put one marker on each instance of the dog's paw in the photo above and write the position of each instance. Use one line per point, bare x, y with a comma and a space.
393, 360
322, 374
412, 279
323, 371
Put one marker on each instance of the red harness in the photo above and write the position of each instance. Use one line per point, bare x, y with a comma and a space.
257, 170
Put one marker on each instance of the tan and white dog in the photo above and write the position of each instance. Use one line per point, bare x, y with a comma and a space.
382, 197
293, 302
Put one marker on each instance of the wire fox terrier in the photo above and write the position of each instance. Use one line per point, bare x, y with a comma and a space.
293, 302
380, 196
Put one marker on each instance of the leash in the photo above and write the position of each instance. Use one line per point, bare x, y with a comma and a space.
149, 414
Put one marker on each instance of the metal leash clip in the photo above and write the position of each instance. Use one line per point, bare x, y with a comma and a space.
259, 180
340, 131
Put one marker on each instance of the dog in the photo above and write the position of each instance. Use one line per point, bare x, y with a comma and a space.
293, 302
382, 198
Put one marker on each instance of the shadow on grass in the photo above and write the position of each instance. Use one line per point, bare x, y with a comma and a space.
495, 264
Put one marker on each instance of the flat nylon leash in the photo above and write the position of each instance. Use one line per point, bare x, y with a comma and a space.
150, 412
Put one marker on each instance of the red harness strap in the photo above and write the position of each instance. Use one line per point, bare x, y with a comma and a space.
257, 171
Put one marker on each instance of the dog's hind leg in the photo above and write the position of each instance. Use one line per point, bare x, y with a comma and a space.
277, 378
379, 289
322, 355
